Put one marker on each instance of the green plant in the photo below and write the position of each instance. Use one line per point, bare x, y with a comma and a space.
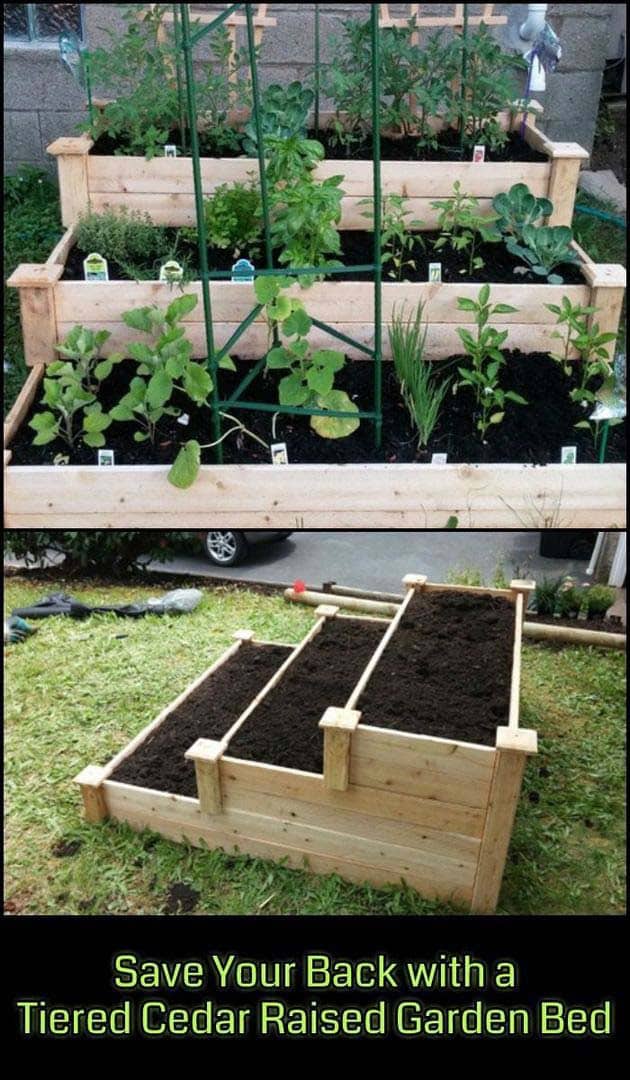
72, 414
469, 576
311, 375
461, 225
283, 113
233, 219
517, 208
96, 551
126, 237
305, 218
81, 349
490, 84
598, 599
487, 360
570, 601
437, 68
422, 392
397, 242
546, 595
164, 364
543, 248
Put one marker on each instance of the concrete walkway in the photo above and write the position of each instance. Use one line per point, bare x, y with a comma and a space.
379, 560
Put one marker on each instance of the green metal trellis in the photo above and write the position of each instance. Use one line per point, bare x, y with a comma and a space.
185, 40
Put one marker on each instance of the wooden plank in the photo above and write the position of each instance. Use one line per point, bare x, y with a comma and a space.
236, 828
349, 603
515, 682
39, 328
23, 402
338, 726
143, 735
353, 301
242, 779
573, 635
207, 754
608, 302
60, 252
73, 186
276, 678
380, 649
563, 182
475, 590
90, 781
311, 496
454, 758
504, 794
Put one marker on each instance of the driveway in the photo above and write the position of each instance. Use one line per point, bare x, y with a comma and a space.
379, 560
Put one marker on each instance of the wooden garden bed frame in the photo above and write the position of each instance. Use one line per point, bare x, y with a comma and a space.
163, 187
389, 805
303, 496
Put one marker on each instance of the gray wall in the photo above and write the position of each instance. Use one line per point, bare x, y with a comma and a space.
42, 101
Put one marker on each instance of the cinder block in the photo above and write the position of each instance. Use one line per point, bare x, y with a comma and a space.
571, 106
584, 44
22, 140
55, 125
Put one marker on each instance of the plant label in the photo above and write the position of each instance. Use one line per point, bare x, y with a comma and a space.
243, 270
183, 419
479, 155
279, 454
435, 272
170, 150
95, 268
568, 455
105, 457
439, 459
171, 271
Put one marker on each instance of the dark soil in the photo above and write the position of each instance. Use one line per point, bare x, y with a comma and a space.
181, 899
63, 849
404, 149
283, 729
208, 713
532, 434
357, 249
446, 672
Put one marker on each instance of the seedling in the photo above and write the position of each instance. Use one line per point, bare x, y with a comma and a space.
461, 226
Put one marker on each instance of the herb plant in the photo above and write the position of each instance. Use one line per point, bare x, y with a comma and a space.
233, 218
462, 226
422, 392
486, 359
543, 248
397, 242
517, 208
310, 381
306, 215
126, 237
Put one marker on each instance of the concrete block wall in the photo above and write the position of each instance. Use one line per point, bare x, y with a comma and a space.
42, 102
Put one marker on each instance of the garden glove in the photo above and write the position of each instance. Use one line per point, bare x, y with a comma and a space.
16, 630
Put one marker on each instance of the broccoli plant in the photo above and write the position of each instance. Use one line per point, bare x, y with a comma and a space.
517, 208
543, 248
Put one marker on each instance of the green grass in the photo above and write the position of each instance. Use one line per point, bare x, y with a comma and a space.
78, 691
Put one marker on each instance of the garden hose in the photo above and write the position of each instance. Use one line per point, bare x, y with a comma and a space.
603, 215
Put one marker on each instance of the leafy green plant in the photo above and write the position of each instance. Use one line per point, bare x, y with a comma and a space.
233, 219
81, 351
397, 241
517, 208
570, 601
491, 83
422, 392
283, 114
599, 598
546, 595
305, 219
437, 68
487, 360
311, 375
543, 248
462, 226
126, 237
164, 364
73, 414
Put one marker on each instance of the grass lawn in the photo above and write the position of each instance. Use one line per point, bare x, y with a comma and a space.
78, 691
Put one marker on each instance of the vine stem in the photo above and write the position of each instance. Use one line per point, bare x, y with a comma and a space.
238, 427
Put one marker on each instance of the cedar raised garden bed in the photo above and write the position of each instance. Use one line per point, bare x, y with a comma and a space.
410, 775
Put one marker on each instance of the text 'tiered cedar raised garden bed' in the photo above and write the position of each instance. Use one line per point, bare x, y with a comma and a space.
413, 776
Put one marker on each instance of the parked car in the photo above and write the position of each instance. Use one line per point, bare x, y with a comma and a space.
229, 547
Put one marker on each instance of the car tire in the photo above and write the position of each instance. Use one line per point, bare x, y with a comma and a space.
226, 547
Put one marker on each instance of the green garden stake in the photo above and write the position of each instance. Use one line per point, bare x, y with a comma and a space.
76, 61
317, 88
604, 441
462, 87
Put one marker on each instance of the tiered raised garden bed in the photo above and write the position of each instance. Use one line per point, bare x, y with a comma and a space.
408, 776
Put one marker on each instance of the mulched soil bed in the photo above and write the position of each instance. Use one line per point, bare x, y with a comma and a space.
532, 434
446, 672
405, 149
357, 249
208, 713
283, 729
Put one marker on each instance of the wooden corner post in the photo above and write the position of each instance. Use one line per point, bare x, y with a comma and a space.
207, 754
338, 725
36, 283
523, 587
90, 780
608, 286
512, 749
72, 165
566, 162
414, 581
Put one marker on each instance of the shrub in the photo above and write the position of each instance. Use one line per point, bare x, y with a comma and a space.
103, 551
598, 599
546, 595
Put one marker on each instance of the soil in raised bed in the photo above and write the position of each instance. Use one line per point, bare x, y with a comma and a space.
531, 434
207, 713
446, 671
357, 249
283, 730
405, 149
